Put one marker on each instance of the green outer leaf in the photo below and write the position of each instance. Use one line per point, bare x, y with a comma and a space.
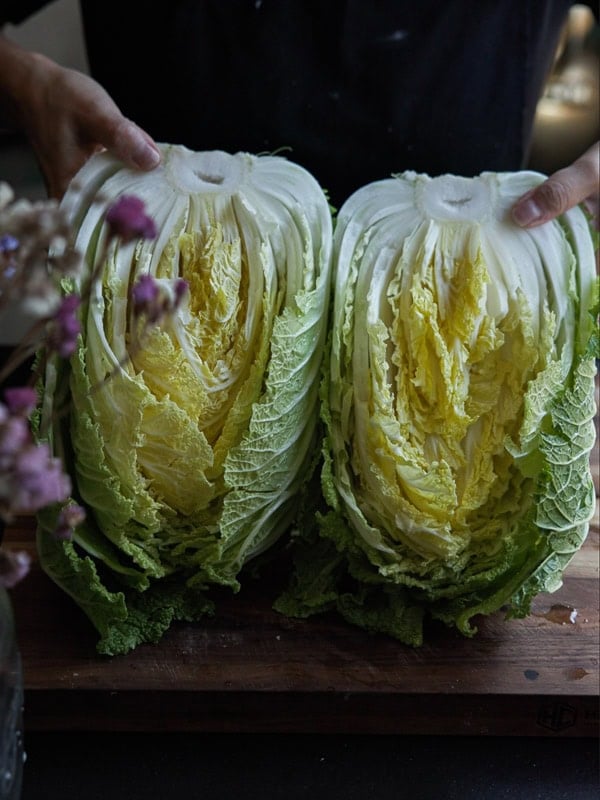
123, 620
270, 465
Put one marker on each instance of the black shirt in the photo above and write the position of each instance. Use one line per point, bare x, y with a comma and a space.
352, 90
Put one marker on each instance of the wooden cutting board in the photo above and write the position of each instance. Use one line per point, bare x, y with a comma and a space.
248, 669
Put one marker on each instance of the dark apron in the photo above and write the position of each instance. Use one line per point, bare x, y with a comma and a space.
354, 91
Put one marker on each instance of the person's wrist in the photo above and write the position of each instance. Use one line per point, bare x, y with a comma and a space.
24, 76
37, 71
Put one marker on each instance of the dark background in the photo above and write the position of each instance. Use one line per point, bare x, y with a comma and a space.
86, 766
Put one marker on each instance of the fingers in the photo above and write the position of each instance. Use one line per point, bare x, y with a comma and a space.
133, 146
107, 131
564, 189
99, 121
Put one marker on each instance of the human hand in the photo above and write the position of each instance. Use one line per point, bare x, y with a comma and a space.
577, 183
67, 116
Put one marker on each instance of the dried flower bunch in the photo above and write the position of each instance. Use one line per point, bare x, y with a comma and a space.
37, 257
36, 253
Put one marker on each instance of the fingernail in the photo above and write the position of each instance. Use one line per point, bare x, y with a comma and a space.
527, 212
145, 156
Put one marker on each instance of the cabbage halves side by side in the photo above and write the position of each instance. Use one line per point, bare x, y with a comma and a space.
458, 403
189, 453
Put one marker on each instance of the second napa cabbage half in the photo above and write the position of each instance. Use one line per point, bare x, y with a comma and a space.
459, 404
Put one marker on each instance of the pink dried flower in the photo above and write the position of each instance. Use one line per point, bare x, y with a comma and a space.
14, 435
128, 220
14, 565
39, 479
64, 328
29, 477
154, 300
69, 518
66, 313
20, 400
145, 294
181, 289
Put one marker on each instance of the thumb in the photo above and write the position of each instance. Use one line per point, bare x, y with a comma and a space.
561, 191
132, 145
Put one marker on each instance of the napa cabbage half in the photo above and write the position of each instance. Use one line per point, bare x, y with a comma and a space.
459, 405
189, 453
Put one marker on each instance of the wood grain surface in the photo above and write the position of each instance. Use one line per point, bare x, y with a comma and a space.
250, 669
